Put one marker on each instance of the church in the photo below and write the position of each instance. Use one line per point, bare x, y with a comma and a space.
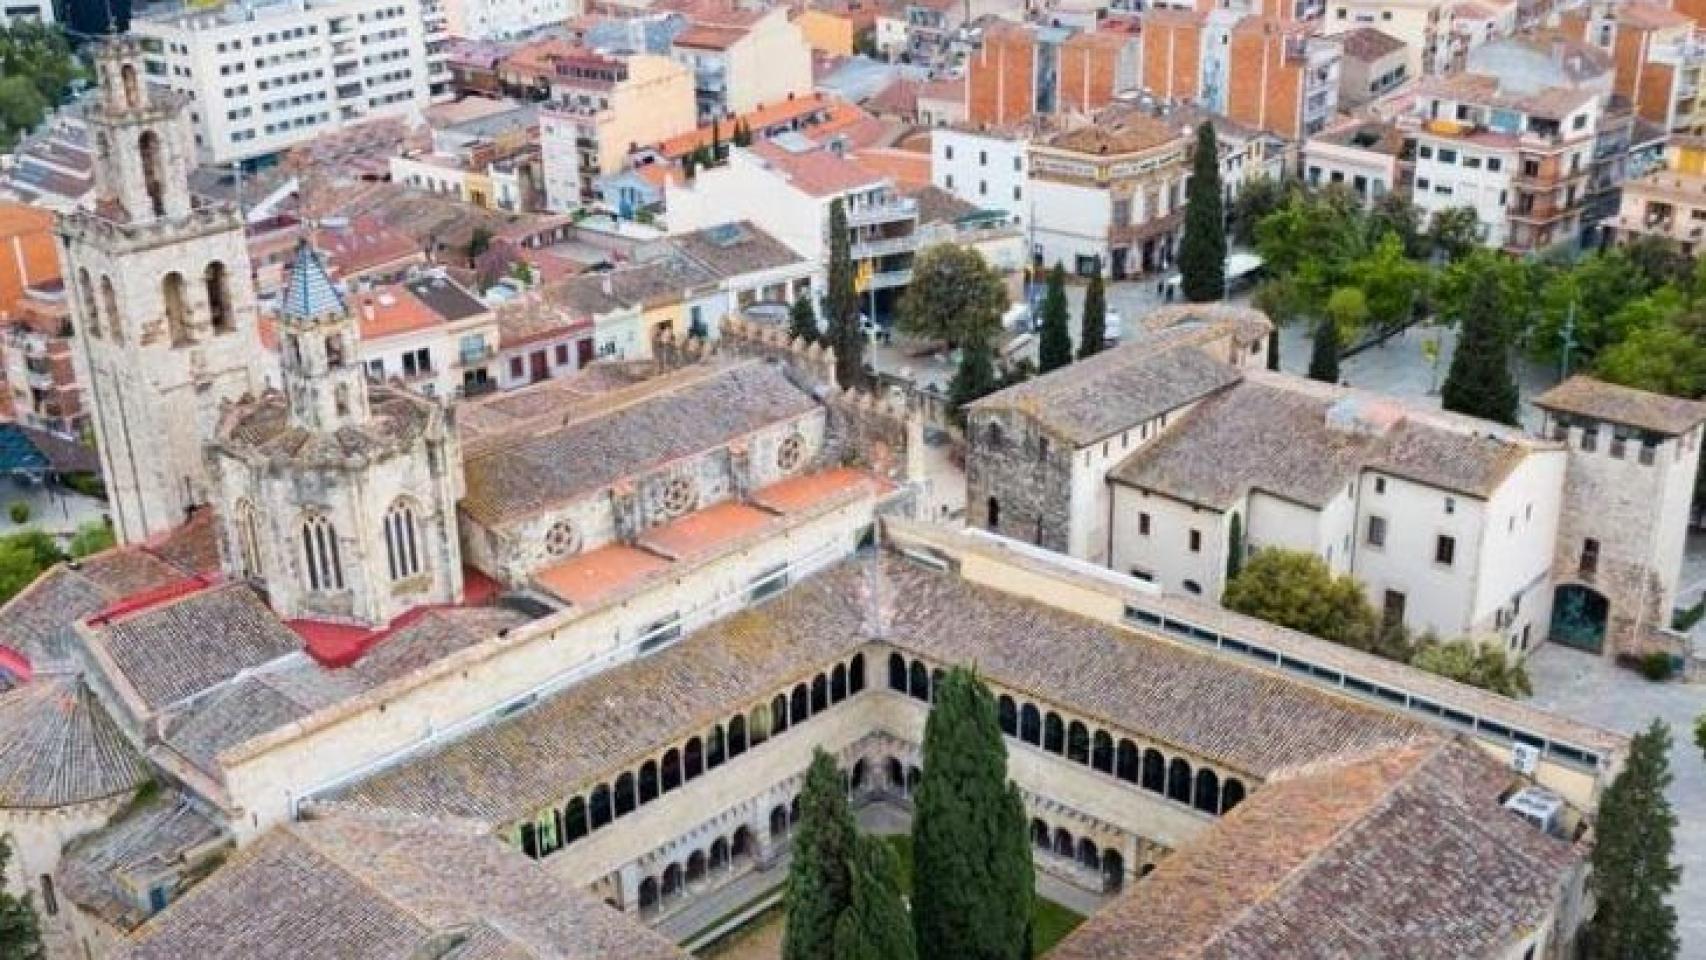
538, 674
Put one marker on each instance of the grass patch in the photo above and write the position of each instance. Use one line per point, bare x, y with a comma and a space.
1050, 922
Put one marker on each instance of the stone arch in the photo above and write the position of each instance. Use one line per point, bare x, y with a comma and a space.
86, 299
740, 845
648, 894
820, 694
692, 759
153, 180
1064, 843
672, 880
1040, 834
1089, 855
217, 281
896, 772
1007, 713
758, 725
648, 781
1102, 752
856, 674
936, 677
714, 747
859, 774
1054, 733
779, 714
574, 820
719, 853
778, 821
1078, 742
897, 673
175, 302
800, 705
1207, 791
1113, 871
913, 777
696, 867
599, 807
670, 769
530, 840
793, 811
624, 794
1030, 725
109, 305
1231, 794
838, 683
918, 682
1179, 780
403, 551
737, 735
130, 85
1128, 761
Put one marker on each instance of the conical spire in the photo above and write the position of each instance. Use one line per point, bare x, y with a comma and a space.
310, 293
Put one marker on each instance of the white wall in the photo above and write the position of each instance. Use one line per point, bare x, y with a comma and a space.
745, 189
1437, 597
1069, 221
982, 169
1489, 191
1165, 553
561, 160
1513, 584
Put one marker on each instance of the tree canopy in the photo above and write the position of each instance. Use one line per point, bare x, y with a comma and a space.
1202, 251
1093, 323
875, 925
819, 885
1480, 664
842, 303
23, 557
1479, 381
36, 71
1298, 590
1633, 869
20, 928
802, 319
955, 295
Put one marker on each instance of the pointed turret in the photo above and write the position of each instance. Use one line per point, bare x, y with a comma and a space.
322, 380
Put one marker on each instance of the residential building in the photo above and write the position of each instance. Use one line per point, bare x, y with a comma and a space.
942, 102
1109, 196
1274, 75
984, 166
26, 11
1656, 55
1374, 64
27, 253
1669, 203
826, 30
484, 151
605, 108
1020, 70
1422, 26
36, 351
506, 19
537, 342
264, 77
742, 60
1514, 138
1371, 157
428, 333
53, 168
1246, 153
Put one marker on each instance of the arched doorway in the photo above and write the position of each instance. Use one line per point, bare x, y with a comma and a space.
1113, 871
1579, 615
648, 895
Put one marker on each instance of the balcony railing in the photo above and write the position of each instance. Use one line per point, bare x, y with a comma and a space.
886, 211
472, 357
886, 247
890, 279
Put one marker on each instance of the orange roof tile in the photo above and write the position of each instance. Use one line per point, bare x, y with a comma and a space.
802, 493
391, 310
20, 218
768, 115
818, 173
707, 37
704, 531
907, 168
586, 579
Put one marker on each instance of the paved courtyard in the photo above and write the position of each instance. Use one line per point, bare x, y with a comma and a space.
1592, 690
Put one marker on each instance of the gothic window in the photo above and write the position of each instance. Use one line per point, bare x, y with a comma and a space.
109, 305
91, 312
790, 453
334, 351
320, 550
402, 546
132, 90
677, 496
177, 308
218, 298
248, 539
562, 539
148, 148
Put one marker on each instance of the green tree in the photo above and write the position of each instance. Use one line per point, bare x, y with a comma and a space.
92, 538
1234, 546
478, 242
1347, 308
1479, 664
1297, 589
1054, 346
955, 295
1479, 381
802, 319
1454, 232
1391, 283
1660, 357
971, 848
1590, 297
1256, 199
974, 378
1093, 323
20, 929
1202, 252
842, 303
743, 134
819, 887
1324, 351
1660, 261
21, 107
1392, 216
1514, 285
1633, 873
875, 925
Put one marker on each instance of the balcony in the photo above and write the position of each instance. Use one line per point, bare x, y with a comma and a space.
473, 357
886, 247
889, 280
885, 211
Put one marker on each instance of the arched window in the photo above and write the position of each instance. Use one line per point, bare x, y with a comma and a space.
91, 310
1030, 725
696, 866
838, 683
671, 880
530, 840
897, 673
148, 148
1039, 833
856, 674
1102, 752
109, 306
402, 541
320, 550
1128, 762
248, 531
1078, 743
1089, 855
1008, 713
1154, 771
859, 774
1064, 844
1179, 780
741, 845
132, 90
1231, 795
719, 853
779, 714
802, 705
714, 748
1054, 733
1113, 871
671, 769
758, 725
648, 781
737, 735
913, 776
778, 821
600, 805
897, 774
218, 298
693, 759
1208, 791
574, 820
648, 894
177, 308
625, 794
820, 694
918, 682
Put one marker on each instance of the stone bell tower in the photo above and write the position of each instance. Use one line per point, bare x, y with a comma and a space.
164, 304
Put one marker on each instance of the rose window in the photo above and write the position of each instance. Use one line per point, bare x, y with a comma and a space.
677, 497
562, 539
790, 453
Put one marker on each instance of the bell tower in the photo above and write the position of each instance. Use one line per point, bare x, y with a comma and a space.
324, 385
163, 301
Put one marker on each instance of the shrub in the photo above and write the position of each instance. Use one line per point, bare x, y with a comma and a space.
1685, 618
19, 511
1656, 666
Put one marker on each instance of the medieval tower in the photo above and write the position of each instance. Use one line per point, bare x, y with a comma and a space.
163, 300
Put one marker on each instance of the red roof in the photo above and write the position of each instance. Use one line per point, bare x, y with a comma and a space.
146, 599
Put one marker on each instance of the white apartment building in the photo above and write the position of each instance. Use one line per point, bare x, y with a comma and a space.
26, 11
602, 108
507, 19
264, 77
1366, 156
742, 60
430, 334
986, 168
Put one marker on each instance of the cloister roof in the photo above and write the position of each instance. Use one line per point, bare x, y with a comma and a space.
1403, 853
58, 747
366, 887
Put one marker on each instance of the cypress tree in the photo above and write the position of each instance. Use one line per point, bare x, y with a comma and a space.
1479, 382
843, 303
1202, 252
802, 320
973, 893
1234, 547
1093, 326
819, 887
974, 377
20, 929
1054, 349
1324, 352
875, 926
1632, 869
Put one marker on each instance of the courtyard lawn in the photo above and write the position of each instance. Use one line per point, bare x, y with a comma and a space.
1050, 922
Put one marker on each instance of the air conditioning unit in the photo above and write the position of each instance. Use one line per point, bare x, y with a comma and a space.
1524, 758
1542, 808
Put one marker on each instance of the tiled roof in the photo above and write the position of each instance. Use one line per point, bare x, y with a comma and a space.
264, 431
1130, 680
59, 747
542, 469
1587, 397
732, 249
1367, 43
109, 871
362, 887
1405, 853
186, 646
1120, 388
817, 173
1118, 131
309, 292
38, 622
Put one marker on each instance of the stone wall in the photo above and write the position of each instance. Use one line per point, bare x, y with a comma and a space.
1016, 471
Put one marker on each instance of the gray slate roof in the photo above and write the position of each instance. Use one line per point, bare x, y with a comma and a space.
546, 468
363, 887
59, 747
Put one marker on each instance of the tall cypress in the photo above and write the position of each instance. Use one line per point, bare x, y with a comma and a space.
1479, 382
1633, 873
1202, 252
819, 887
20, 929
1324, 352
1093, 325
971, 853
975, 377
875, 926
1054, 349
802, 319
843, 303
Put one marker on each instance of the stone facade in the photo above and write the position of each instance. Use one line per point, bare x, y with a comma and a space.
1018, 480
163, 304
